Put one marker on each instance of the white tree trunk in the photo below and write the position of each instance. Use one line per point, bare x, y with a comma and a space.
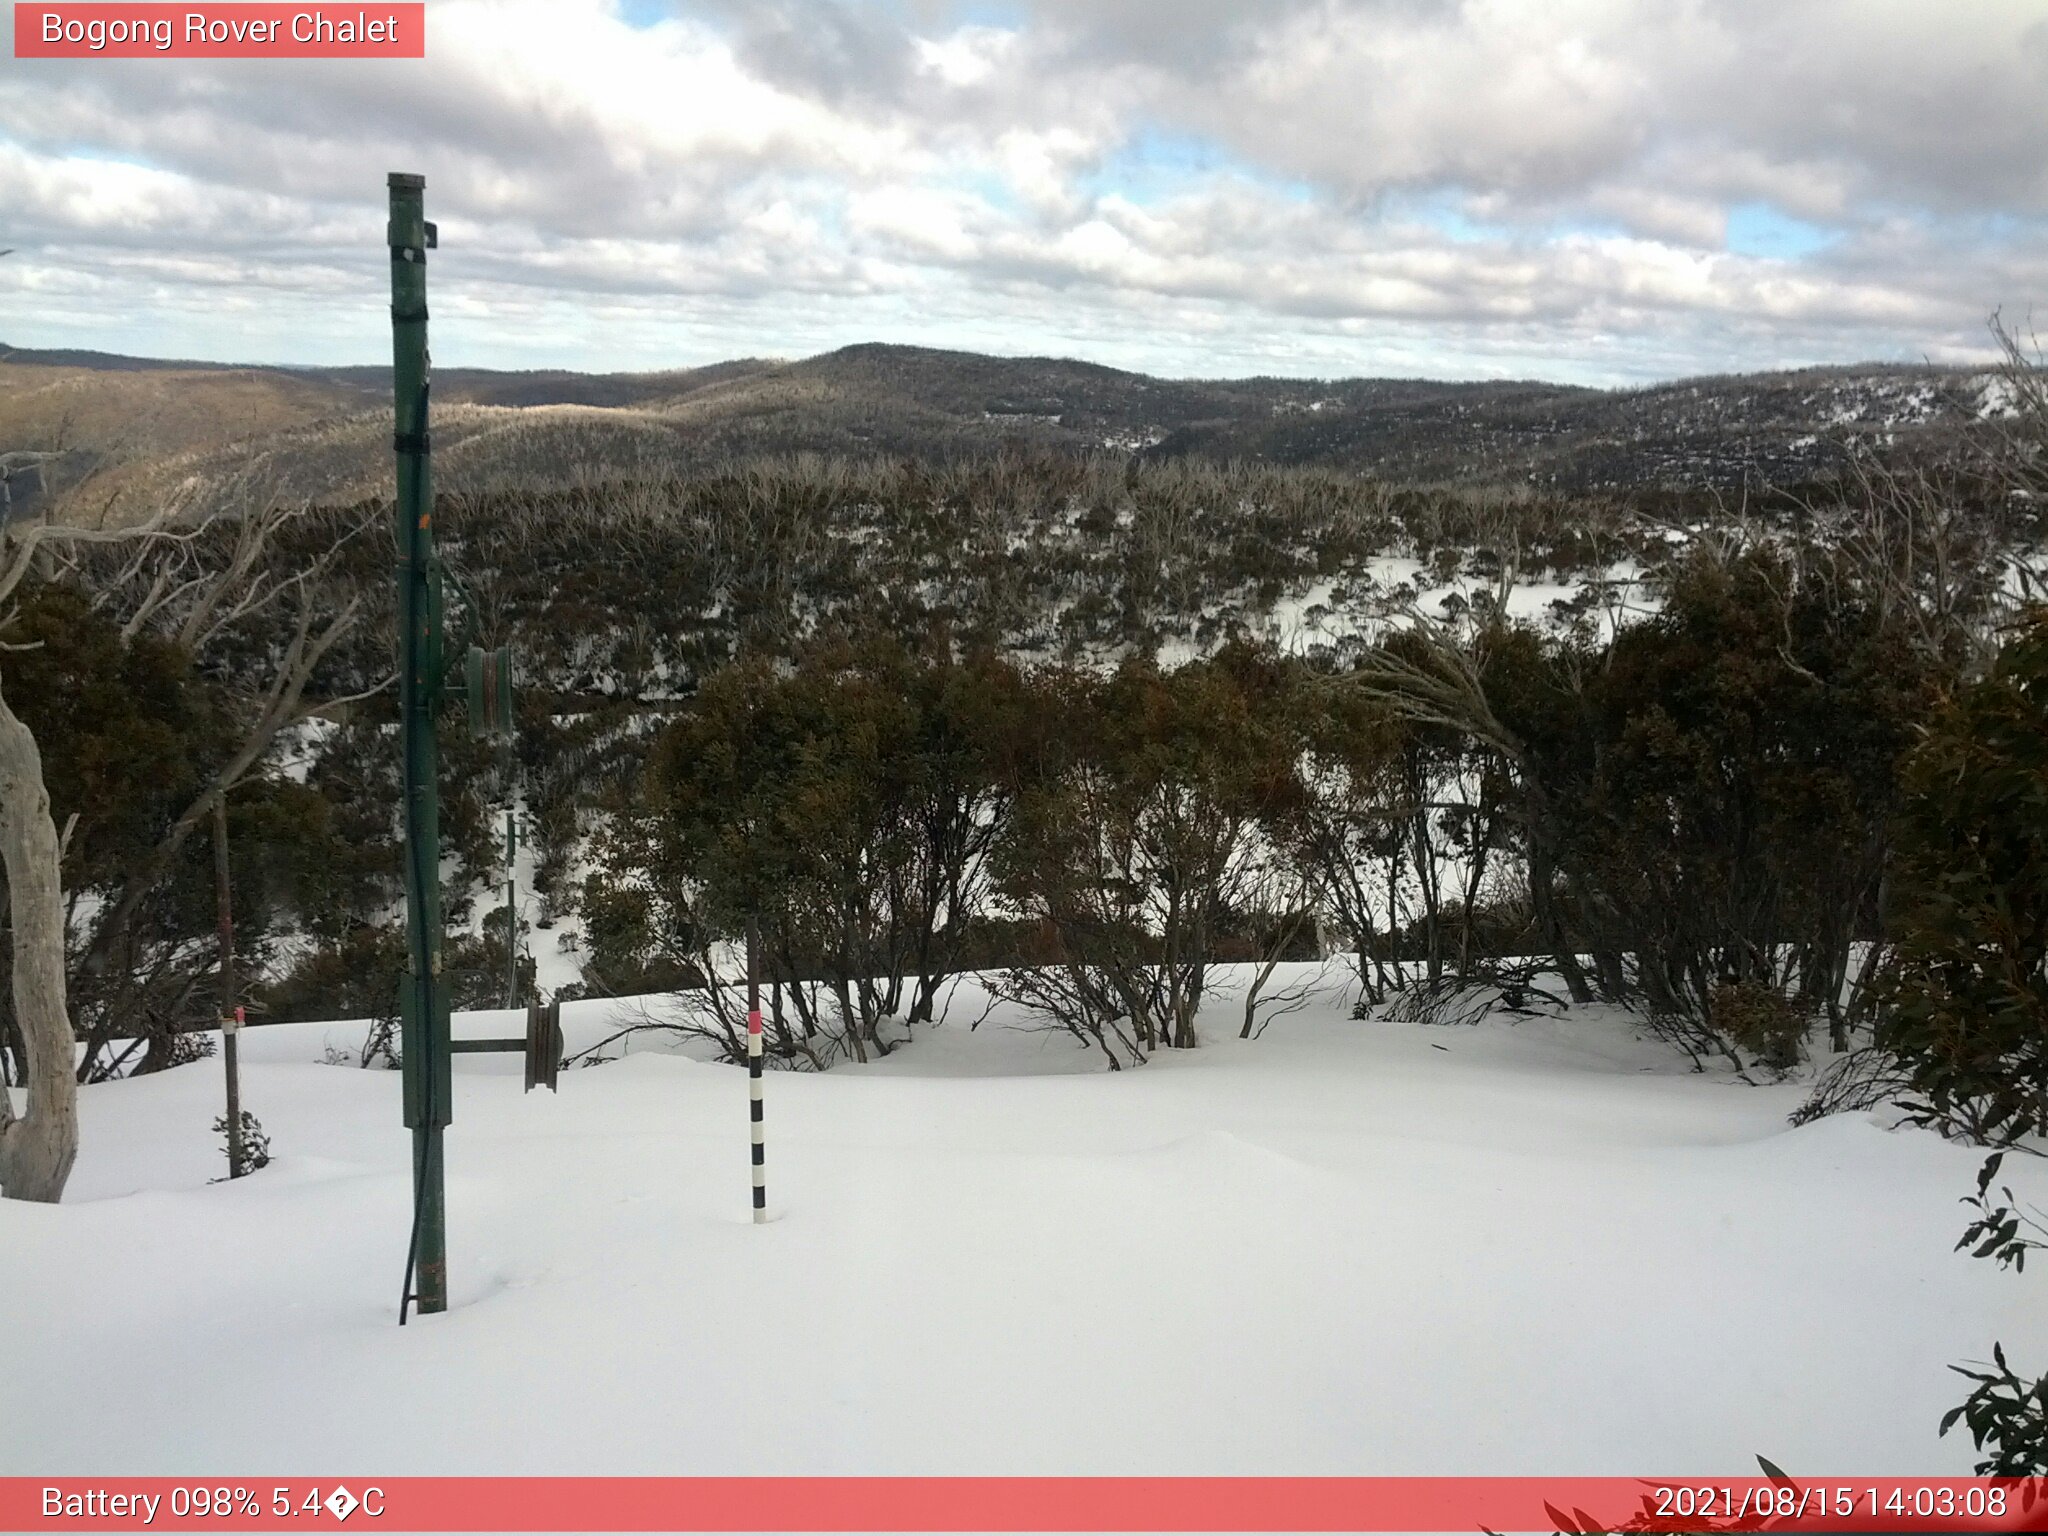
37, 1148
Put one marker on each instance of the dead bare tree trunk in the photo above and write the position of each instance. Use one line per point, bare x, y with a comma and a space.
38, 1147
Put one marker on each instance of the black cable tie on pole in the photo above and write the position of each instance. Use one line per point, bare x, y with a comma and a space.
421, 443
406, 1294
407, 316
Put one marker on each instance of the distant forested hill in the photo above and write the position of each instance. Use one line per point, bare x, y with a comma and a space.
118, 436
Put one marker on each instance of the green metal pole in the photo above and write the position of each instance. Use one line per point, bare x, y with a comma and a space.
511, 913
425, 1013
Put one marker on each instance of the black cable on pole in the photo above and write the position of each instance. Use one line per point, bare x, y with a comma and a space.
412, 1243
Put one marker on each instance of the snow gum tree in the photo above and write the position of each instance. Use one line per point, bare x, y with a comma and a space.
845, 806
36, 1148
1143, 818
81, 610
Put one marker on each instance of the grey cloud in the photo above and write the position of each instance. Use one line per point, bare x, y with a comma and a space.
1201, 38
839, 51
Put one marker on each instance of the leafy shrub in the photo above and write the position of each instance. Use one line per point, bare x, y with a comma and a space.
255, 1141
357, 976
353, 977
2006, 1413
1968, 994
1759, 1020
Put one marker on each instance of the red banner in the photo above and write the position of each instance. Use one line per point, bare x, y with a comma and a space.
1460, 1504
75, 30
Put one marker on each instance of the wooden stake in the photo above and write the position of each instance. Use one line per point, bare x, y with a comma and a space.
230, 1007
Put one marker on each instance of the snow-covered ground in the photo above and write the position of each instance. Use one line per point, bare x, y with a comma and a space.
1527, 1246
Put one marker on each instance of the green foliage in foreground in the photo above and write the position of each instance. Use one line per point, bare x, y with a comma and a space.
1967, 1014
2005, 1412
1969, 999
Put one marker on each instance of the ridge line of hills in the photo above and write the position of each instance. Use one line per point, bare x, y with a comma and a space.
534, 385
135, 428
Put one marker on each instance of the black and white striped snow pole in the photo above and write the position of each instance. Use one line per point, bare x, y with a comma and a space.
754, 1076
754, 1111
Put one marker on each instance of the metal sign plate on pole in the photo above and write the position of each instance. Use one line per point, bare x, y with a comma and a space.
543, 1045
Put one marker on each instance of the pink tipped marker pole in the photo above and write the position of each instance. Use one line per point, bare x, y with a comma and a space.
754, 1075
754, 1112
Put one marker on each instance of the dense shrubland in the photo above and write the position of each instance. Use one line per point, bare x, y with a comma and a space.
1042, 714
1690, 818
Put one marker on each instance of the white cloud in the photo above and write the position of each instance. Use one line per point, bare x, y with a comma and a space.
966, 57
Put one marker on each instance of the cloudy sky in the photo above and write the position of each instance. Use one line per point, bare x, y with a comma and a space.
1601, 191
